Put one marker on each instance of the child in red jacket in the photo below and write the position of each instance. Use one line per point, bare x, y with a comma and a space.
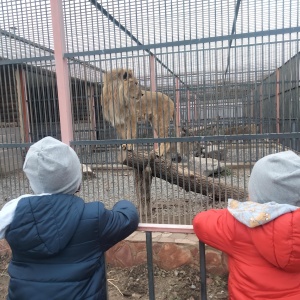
262, 236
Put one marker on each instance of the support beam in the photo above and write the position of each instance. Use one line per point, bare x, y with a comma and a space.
153, 88
23, 106
233, 30
62, 72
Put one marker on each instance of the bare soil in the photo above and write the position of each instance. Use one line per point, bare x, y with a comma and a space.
4, 278
180, 284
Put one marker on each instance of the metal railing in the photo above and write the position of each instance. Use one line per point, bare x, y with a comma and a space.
148, 229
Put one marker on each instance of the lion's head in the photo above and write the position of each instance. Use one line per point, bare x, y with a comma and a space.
117, 74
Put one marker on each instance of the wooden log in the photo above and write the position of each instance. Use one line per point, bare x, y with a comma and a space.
143, 180
183, 177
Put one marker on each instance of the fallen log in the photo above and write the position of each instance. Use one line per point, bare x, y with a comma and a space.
181, 176
143, 180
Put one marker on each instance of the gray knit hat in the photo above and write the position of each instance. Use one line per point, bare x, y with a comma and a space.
52, 167
276, 177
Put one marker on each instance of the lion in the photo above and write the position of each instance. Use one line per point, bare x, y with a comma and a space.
155, 107
123, 102
118, 105
158, 109
117, 74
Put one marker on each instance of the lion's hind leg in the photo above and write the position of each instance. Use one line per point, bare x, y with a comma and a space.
120, 128
128, 131
161, 126
163, 149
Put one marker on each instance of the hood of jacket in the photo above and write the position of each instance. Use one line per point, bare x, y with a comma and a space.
274, 229
279, 241
43, 225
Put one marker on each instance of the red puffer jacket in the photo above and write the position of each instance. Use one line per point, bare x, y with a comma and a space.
264, 262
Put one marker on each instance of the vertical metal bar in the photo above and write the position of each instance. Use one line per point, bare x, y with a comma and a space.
261, 108
196, 109
62, 73
277, 101
188, 108
150, 265
90, 92
152, 73
177, 107
252, 106
106, 282
202, 271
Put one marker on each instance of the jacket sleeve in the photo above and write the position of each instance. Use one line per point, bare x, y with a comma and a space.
117, 224
215, 228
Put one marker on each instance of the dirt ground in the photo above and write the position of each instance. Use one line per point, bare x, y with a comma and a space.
180, 284
4, 278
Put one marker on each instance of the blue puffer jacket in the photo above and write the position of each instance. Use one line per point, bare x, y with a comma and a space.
58, 244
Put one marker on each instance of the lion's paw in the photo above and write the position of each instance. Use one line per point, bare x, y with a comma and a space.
128, 147
158, 153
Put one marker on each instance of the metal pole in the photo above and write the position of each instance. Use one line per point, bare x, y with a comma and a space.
150, 265
202, 271
177, 96
188, 107
153, 88
23, 105
277, 101
261, 108
62, 72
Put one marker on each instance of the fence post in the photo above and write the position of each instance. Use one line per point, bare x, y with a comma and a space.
188, 107
202, 271
150, 265
62, 72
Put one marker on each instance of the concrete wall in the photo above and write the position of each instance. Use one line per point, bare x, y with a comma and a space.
170, 251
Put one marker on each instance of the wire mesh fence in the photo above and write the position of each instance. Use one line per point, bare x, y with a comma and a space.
228, 69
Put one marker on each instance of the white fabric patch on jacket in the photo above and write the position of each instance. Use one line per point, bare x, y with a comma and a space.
7, 213
253, 214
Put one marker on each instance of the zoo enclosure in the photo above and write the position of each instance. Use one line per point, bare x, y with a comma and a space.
231, 68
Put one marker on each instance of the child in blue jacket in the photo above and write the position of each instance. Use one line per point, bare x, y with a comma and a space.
58, 241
